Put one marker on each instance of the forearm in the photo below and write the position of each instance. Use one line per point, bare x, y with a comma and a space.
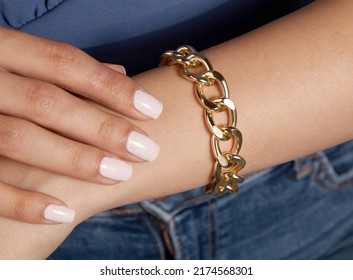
291, 83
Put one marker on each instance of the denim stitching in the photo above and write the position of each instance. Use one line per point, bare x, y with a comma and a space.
178, 240
216, 230
321, 179
301, 170
346, 184
209, 227
326, 166
190, 201
126, 211
145, 219
35, 18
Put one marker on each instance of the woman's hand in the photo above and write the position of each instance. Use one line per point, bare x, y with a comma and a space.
42, 124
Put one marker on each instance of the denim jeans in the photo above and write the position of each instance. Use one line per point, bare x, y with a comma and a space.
302, 209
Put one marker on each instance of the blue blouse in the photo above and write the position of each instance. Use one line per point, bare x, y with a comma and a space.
135, 32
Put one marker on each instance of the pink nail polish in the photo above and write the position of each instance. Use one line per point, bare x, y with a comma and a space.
142, 146
147, 105
59, 214
115, 169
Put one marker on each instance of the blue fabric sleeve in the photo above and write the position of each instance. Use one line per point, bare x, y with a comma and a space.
17, 13
135, 32
88, 23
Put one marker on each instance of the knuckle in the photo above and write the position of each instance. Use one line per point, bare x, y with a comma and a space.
62, 56
120, 91
108, 131
80, 161
12, 135
40, 100
22, 207
114, 88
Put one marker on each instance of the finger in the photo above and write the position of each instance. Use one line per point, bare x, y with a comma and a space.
75, 71
53, 108
29, 143
32, 207
23, 176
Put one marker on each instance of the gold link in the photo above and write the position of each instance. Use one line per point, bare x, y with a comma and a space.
227, 164
186, 49
230, 132
218, 153
197, 60
235, 133
206, 103
220, 184
238, 164
232, 119
194, 77
212, 77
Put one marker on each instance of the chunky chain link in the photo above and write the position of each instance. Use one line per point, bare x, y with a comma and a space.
227, 164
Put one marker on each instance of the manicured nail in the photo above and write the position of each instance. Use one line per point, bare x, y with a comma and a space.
116, 67
59, 214
142, 146
115, 169
122, 69
147, 104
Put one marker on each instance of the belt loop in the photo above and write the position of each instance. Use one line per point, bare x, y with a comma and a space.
304, 166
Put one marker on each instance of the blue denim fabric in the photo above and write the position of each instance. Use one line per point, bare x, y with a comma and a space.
298, 210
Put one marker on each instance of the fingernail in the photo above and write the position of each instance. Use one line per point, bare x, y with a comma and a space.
142, 146
59, 214
116, 67
122, 69
115, 169
147, 104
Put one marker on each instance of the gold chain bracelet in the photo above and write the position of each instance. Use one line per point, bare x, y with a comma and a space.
227, 164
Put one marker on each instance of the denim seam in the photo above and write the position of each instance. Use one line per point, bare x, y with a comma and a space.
340, 178
38, 17
325, 164
126, 211
348, 176
322, 167
320, 180
209, 227
184, 204
255, 176
346, 184
340, 181
155, 210
147, 222
302, 170
178, 247
216, 230
192, 200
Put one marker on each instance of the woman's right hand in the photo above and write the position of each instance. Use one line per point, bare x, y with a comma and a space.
42, 124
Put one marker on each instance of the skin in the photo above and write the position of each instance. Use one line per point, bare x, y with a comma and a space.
40, 119
292, 88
